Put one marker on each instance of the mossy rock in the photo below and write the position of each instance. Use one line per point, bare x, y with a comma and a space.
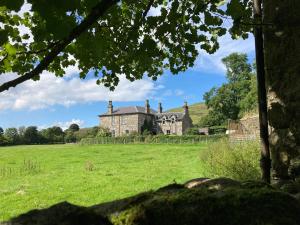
62, 213
232, 206
251, 203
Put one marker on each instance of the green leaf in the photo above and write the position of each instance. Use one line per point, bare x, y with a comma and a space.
14, 5
3, 37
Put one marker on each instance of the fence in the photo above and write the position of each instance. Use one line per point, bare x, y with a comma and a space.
157, 139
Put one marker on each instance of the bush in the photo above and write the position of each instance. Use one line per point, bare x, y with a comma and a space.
238, 161
159, 139
217, 130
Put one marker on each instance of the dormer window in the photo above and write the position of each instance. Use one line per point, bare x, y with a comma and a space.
173, 119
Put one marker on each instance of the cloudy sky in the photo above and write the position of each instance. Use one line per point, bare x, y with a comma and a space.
62, 101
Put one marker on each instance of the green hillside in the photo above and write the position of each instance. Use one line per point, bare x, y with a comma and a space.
196, 110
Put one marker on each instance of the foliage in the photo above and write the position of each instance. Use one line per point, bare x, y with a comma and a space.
147, 127
74, 127
31, 135
217, 130
103, 132
156, 139
234, 98
113, 37
1, 131
11, 135
192, 131
3, 140
124, 169
52, 135
70, 137
233, 160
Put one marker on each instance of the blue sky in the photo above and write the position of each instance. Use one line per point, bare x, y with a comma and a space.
61, 101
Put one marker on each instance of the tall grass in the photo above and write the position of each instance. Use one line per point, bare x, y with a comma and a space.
238, 161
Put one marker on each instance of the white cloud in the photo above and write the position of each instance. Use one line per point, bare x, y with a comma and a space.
51, 90
212, 63
65, 125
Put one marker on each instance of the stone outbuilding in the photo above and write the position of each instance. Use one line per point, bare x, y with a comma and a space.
131, 119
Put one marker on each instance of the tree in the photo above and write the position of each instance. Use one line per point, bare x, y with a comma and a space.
74, 127
31, 135
52, 135
70, 137
1, 131
234, 98
281, 54
11, 135
112, 37
103, 132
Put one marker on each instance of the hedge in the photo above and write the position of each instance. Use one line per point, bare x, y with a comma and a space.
159, 139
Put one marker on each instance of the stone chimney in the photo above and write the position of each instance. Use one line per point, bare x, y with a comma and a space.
110, 107
159, 108
186, 108
147, 107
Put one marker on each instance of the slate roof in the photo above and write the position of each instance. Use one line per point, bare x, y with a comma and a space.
169, 115
129, 110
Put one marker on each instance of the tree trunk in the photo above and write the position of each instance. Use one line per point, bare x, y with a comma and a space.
282, 64
265, 162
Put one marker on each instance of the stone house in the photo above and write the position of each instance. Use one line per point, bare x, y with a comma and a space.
126, 120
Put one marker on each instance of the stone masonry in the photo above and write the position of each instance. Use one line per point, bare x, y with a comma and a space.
126, 120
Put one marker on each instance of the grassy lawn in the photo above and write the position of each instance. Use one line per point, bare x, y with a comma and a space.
39, 176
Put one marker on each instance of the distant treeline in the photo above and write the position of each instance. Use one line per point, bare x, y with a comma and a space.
51, 135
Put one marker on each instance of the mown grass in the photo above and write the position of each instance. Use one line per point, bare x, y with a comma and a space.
40, 176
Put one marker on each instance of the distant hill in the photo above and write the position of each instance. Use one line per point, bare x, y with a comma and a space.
197, 111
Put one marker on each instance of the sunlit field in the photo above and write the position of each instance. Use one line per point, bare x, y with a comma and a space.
40, 176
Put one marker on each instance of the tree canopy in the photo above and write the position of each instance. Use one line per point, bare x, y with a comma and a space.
112, 37
234, 98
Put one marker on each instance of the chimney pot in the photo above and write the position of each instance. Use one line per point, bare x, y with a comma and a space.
160, 108
147, 107
110, 107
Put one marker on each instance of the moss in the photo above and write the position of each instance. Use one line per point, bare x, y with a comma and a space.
232, 206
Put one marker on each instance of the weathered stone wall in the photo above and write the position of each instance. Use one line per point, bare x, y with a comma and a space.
124, 124
186, 122
174, 128
121, 123
251, 125
282, 55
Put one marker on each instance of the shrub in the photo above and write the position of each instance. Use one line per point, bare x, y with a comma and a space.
233, 160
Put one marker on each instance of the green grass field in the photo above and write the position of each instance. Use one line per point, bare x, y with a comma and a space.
39, 176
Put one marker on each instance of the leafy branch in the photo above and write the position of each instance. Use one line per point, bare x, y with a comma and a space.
98, 11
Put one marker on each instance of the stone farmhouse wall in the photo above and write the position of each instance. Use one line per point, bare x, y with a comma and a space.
124, 124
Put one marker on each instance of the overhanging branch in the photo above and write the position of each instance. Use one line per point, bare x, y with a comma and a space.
98, 11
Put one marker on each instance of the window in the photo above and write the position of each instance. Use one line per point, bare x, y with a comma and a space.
127, 131
113, 133
168, 132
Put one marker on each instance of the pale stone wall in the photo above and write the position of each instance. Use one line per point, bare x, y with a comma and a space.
121, 124
128, 123
124, 124
186, 123
282, 58
174, 128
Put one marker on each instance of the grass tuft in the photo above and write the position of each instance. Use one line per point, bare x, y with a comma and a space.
238, 161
